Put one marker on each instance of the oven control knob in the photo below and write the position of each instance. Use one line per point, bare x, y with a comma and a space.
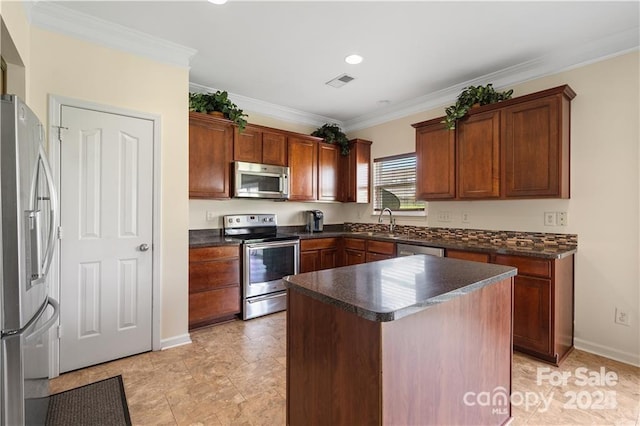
238, 219
270, 219
230, 220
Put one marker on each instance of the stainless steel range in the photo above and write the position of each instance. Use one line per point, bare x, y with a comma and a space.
268, 256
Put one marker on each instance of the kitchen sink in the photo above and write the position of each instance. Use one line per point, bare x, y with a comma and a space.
377, 234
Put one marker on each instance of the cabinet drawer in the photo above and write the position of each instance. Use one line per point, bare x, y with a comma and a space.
353, 257
207, 306
213, 253
382, 247
354, 243
468, 255
372, 257
318, 244
209, 275
526, 265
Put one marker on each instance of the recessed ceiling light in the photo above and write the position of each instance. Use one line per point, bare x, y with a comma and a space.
353, 59
217, 1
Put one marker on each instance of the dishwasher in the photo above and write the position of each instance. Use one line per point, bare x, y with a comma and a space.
411, 249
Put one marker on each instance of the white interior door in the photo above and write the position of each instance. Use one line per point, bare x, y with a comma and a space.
106, 216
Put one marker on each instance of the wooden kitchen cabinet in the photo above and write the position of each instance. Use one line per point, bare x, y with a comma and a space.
355, 172
210, 154
319, 253
468, 255
478, 156
535, 138
543, 306
214, 284
380, 250
262, 145
513, 149
435, 161
328, 163
303, 168
354, 251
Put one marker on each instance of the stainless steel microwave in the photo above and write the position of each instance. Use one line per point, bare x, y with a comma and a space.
253, 180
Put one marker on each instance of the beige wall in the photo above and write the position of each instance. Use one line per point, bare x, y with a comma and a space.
604, 205
68, 67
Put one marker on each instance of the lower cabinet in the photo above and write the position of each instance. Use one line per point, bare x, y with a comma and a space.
469, 255
380, 250
354, 251
214, 284
542, 305
317, 254
358, 250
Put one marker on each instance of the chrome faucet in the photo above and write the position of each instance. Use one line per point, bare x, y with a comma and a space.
392, 221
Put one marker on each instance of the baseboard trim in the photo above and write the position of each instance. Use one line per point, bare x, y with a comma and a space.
607, 352
175, 341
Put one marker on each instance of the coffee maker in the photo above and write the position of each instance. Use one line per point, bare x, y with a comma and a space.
315, 220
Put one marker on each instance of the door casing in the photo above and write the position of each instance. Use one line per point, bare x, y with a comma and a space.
55, 104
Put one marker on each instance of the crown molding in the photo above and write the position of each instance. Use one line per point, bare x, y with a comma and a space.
60, 19
561, 60
271, 110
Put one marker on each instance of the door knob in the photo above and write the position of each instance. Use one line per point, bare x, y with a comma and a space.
143, 247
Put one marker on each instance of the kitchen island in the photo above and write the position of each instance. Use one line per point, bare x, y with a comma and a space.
413, 341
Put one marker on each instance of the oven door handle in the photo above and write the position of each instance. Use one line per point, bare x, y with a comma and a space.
272, 244
263, 298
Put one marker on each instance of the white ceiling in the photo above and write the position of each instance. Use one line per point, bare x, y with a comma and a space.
283, 53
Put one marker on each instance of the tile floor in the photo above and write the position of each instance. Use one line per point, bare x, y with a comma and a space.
234, 373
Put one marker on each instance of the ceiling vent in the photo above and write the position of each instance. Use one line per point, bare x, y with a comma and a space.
340, 80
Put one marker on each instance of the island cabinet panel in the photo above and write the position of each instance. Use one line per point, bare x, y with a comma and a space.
328, 163
214, 284
318, 254
303, 168
343, 369
543, 306
210, 154
536, 148
355, 172
478, 156
468, 255
435, 161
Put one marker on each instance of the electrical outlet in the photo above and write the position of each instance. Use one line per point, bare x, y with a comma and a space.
465, 217
550, 219
622, 317
444, 216
562, 218
211, 216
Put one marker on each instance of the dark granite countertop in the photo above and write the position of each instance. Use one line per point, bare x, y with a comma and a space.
212, 237
391, 289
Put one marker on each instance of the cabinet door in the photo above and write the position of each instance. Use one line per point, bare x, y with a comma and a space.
274, 148
210, 145
355, 172
478, 139
532, 313
533, 152
328, 158
303, 169
248, 145
372, 257
329, 258
353, 257
435, 162
309, 261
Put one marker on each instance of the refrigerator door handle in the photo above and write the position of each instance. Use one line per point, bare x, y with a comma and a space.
45, 327
53, 202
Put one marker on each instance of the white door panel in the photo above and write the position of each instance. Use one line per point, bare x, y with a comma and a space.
106, 215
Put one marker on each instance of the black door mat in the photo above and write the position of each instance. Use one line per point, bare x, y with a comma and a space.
99, 403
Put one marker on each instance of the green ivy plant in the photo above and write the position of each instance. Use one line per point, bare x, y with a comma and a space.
482, 95
331, 133
218, 101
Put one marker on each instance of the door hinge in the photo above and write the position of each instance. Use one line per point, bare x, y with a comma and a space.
60, 129
59, 332
60, 232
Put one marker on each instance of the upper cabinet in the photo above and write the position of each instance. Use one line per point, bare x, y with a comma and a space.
355, 172
328, 162
303, 168
513, 149
258, 145
210, 153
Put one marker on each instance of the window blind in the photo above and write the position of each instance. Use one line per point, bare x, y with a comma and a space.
394, 183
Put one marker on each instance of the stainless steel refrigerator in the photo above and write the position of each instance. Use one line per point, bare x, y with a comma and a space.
28, 239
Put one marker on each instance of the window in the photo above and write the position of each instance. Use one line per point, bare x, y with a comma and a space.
394, 183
